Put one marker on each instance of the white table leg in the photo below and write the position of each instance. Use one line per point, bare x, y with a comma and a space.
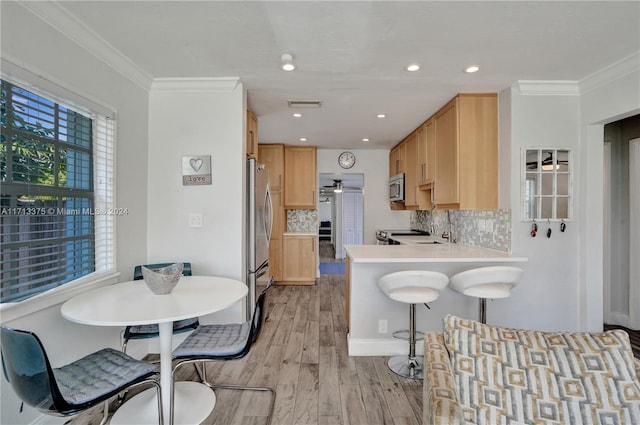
166, 334
193, 402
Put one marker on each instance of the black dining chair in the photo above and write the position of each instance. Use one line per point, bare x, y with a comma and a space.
152, 331
222, 342
73, 388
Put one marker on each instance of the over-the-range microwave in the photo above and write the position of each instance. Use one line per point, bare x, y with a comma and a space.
396, 188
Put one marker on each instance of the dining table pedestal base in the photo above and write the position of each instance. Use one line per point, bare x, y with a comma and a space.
193, 403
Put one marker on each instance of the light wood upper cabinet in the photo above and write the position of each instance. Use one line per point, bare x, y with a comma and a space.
454, 163
397, 159
272, 156
466, 153
299, 177
299, 253
252, 134
411, 171
426, 152
425, 165
446, 152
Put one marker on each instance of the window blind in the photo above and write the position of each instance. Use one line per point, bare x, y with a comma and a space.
55, 196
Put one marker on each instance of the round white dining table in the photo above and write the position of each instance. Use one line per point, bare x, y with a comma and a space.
132, 303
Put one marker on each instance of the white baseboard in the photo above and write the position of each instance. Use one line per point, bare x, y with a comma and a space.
380, 347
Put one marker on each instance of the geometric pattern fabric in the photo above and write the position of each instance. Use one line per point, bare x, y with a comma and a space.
510, 376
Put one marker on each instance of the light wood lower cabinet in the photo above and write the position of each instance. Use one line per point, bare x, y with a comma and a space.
275, 259
299, 259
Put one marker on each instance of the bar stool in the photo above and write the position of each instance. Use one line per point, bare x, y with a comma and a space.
486, 282
411, 287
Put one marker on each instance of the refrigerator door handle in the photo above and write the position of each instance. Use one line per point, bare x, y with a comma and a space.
268, 214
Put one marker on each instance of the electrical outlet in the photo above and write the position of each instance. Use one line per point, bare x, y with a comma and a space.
382, 326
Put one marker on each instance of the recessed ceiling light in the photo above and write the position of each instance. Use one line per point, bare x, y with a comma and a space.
381, 115
413, 67
286, 62
303, 139
471, 69
366, 139
297, 115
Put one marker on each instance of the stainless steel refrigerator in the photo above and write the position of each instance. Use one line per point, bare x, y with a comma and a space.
260, 223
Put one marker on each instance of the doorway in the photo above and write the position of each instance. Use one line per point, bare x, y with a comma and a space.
621, 223
340, 213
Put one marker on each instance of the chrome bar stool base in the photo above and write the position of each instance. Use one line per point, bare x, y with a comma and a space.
405, 334
406, 367
411, 287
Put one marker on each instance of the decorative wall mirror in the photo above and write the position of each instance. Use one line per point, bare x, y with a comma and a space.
547, 184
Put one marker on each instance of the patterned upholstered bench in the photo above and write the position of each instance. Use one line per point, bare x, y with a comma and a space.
485, 375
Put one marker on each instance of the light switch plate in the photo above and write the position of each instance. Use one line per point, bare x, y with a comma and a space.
195, 220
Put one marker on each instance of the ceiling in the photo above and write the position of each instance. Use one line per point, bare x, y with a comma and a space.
350, 181
351, 55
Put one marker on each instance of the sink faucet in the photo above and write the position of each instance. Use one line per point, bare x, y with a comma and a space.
448, 234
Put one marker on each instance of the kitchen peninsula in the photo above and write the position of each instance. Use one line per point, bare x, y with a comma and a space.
372, 317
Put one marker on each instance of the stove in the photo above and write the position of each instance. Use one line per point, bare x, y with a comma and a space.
384, 237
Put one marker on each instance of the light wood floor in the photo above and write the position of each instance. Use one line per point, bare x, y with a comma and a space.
302, 353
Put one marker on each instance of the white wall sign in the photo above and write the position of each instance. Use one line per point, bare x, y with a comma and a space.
196, 170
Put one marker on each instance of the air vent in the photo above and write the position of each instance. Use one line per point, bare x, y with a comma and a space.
304, 103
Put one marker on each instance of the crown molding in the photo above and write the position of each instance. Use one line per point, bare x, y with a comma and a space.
200, 85
610, 73
54, 14
547, 88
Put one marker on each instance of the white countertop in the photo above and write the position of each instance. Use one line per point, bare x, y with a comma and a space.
427, 253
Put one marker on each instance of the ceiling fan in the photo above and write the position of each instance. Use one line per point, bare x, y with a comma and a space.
338, 187
547, 163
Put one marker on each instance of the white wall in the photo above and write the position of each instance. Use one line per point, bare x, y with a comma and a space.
564, 274
607, 96
617, 229
188, 118
552, 273
374, 164
325, 209
35, 46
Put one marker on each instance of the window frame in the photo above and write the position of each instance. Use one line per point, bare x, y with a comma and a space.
532, 203
103, 164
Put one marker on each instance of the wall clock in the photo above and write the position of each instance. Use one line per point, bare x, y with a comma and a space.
346, 160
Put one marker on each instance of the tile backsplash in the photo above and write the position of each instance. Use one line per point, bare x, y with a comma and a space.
487, 229
302, 221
